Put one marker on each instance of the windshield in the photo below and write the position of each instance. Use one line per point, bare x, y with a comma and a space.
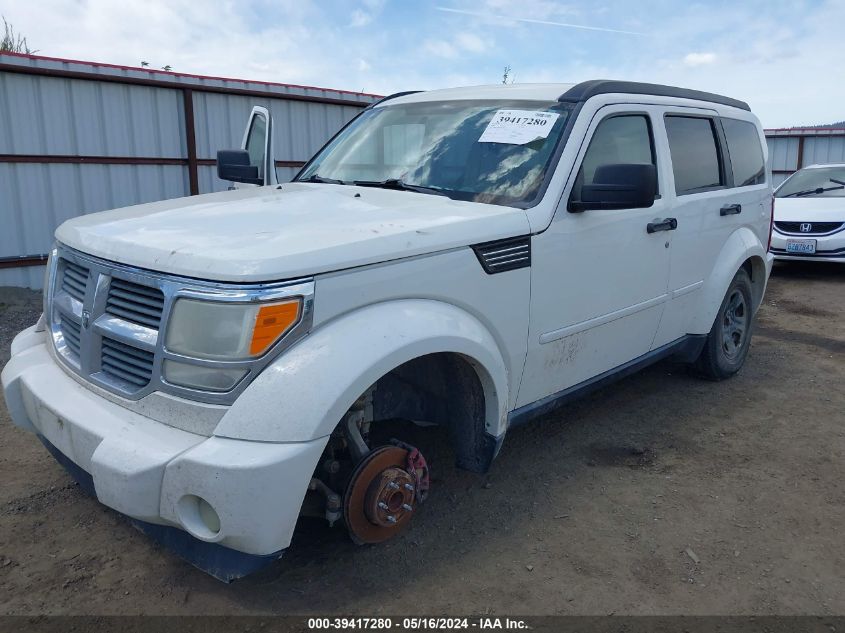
497, 152
826, 182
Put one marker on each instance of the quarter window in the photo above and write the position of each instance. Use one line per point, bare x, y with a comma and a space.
745, 151
617, 140
695, 154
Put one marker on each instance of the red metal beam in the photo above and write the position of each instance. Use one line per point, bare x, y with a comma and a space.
120, 160
73, 74
22, 261
191, 141
93, 160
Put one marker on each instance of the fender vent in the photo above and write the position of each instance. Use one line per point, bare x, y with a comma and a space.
502, 255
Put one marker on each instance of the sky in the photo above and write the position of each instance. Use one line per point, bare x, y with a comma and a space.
783, 57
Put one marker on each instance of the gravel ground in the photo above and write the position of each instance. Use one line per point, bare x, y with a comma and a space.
661, 494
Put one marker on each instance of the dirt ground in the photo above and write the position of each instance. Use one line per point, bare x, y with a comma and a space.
662, 494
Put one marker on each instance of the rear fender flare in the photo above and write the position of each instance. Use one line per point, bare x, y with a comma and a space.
741, 246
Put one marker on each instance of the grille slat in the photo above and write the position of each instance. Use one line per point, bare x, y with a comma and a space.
135, 303
118, 372
74, 280
71, 334
138, 298
126, 362
816, 228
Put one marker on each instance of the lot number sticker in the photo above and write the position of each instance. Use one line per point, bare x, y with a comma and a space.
518, 127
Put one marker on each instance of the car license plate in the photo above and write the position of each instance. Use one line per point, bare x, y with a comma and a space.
806, 247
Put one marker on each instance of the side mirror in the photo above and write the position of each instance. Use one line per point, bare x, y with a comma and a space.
625, 186
233, 165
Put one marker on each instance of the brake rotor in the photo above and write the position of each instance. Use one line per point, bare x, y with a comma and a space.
381, 496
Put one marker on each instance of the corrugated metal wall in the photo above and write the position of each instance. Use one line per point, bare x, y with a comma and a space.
791, 149
77, 138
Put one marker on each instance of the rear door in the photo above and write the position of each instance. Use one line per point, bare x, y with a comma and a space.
708, 205
258, 142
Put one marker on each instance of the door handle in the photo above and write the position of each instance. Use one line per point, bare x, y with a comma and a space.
730, 209
666, 224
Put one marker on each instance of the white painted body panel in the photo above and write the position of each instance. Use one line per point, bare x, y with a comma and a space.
142, 468
302, 229
304, 394
598, 288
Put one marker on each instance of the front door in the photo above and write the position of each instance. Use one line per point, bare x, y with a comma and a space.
598, 277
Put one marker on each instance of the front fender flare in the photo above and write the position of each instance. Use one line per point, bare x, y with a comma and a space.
307, 390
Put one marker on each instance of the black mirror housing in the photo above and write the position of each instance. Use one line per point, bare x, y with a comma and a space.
620, 186
233, 165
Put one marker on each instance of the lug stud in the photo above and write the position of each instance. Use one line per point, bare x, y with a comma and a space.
406, 507
382, 505
393, 485
391, 518
409, 487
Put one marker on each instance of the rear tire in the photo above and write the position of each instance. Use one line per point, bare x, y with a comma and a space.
727, 343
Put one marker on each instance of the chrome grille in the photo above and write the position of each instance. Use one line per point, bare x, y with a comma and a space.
107, 322
71, 334
135, 303
810, 228
74, 280
129, 364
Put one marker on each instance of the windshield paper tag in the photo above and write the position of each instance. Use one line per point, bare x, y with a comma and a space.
518, 127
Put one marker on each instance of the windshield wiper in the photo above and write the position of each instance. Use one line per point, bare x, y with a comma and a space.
817, 190
321, 179
399, 185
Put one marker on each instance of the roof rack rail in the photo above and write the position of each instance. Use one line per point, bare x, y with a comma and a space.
586, 89
395, 95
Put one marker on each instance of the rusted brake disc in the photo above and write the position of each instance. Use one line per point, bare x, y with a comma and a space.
380, 498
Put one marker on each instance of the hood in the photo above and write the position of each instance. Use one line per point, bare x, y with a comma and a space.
810, 209
296, 230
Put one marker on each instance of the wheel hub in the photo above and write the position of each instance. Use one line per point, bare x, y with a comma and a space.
734, 324
389, 497
381, 496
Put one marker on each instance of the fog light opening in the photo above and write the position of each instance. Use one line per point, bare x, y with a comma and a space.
199, 517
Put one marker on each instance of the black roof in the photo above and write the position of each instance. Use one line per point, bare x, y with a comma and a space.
586, 89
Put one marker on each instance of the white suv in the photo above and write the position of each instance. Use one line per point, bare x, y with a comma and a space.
471, 258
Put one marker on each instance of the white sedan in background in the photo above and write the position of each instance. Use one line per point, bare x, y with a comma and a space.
809, 216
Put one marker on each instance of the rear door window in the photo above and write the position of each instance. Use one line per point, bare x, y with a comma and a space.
695, 154
745, 152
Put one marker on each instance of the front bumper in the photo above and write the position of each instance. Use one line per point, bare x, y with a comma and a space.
829, 248
154, 473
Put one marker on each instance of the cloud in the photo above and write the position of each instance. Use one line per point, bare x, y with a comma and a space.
471, 42
462, 43
699, 59
360, 18
514, 19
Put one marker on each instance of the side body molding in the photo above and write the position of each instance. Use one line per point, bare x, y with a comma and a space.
743, 244
305, 393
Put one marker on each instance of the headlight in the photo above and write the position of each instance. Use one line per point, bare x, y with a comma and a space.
219, 331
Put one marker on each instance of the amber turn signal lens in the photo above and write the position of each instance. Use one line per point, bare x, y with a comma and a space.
271, 323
